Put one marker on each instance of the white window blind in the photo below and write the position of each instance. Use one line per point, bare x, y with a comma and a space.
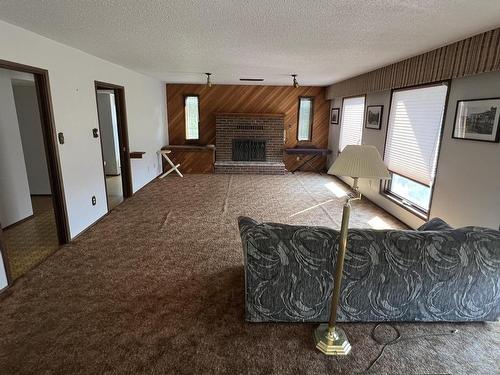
305, 119
351, 128
413, 133
192, 117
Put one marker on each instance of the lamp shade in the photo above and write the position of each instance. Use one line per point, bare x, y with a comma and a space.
362, 161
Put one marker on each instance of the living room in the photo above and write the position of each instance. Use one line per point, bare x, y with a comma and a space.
325, 200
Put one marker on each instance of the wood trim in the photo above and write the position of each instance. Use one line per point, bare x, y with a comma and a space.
52, 154
474, 55
121, 114
42, 87
136, 154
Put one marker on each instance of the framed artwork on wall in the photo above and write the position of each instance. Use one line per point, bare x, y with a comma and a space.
478, 120
374, 117
334, 118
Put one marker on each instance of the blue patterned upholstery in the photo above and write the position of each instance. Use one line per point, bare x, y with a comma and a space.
389, 275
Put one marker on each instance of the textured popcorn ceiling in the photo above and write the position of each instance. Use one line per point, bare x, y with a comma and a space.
323, 41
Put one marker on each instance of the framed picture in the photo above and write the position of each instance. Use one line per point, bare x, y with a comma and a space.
334, 119
478, 120
374, 117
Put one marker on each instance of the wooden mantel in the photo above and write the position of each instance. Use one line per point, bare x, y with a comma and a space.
240, 114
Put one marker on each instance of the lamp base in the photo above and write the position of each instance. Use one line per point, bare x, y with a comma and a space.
331, 342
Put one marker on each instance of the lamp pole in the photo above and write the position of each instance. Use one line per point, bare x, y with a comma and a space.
330, 339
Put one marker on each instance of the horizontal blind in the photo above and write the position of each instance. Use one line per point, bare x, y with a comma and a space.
413, 133
351, 128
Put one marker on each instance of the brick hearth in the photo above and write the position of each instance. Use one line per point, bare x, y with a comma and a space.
249, 126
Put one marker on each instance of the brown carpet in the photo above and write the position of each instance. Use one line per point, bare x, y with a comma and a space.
157, 287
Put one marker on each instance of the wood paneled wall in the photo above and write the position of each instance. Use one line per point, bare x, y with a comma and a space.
477, 54
248, 99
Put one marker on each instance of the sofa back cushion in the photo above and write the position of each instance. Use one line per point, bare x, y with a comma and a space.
435, 224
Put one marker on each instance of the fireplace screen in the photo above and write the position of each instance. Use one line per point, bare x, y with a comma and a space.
249, 150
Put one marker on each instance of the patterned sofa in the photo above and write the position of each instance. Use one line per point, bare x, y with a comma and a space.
435, 273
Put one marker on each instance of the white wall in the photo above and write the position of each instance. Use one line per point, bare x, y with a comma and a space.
72, 74
467, 185
15, 200
467, 189
109, 132
30, 127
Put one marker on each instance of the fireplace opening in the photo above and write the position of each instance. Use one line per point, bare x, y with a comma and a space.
249, 150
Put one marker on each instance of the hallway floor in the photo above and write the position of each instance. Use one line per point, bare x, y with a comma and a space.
114, 190
33, 240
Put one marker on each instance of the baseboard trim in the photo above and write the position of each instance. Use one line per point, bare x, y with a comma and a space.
109, 211
374, 203
19, 222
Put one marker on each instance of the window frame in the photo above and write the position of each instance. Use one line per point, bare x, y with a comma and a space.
311, 119
342, 117
186, 96
385, 185
404, 202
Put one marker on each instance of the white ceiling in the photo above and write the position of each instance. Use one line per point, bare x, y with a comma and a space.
323, 41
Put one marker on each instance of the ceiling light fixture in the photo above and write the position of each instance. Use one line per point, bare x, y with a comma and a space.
295, 83
209, 83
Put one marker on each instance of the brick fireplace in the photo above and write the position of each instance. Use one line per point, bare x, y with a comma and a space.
249, 143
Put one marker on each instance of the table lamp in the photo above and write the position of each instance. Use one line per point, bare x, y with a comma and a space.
354, 161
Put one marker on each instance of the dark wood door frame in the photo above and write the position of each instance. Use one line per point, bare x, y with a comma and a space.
42, 87
121, 117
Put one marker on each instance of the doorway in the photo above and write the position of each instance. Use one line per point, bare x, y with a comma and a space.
33, 220
114, 142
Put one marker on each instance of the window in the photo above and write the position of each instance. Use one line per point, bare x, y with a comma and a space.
409, 192
192, 116
412, 144
306, 105
351, 128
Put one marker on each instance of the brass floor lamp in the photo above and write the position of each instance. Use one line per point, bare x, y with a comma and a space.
357, 162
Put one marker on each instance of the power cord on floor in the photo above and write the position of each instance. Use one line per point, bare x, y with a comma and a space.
399, 339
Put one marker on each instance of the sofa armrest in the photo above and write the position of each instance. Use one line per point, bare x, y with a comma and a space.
288, 271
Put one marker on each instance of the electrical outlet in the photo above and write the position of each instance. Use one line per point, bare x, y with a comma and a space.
94, 200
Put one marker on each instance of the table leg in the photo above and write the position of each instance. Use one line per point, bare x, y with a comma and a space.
174, 167
307, 160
